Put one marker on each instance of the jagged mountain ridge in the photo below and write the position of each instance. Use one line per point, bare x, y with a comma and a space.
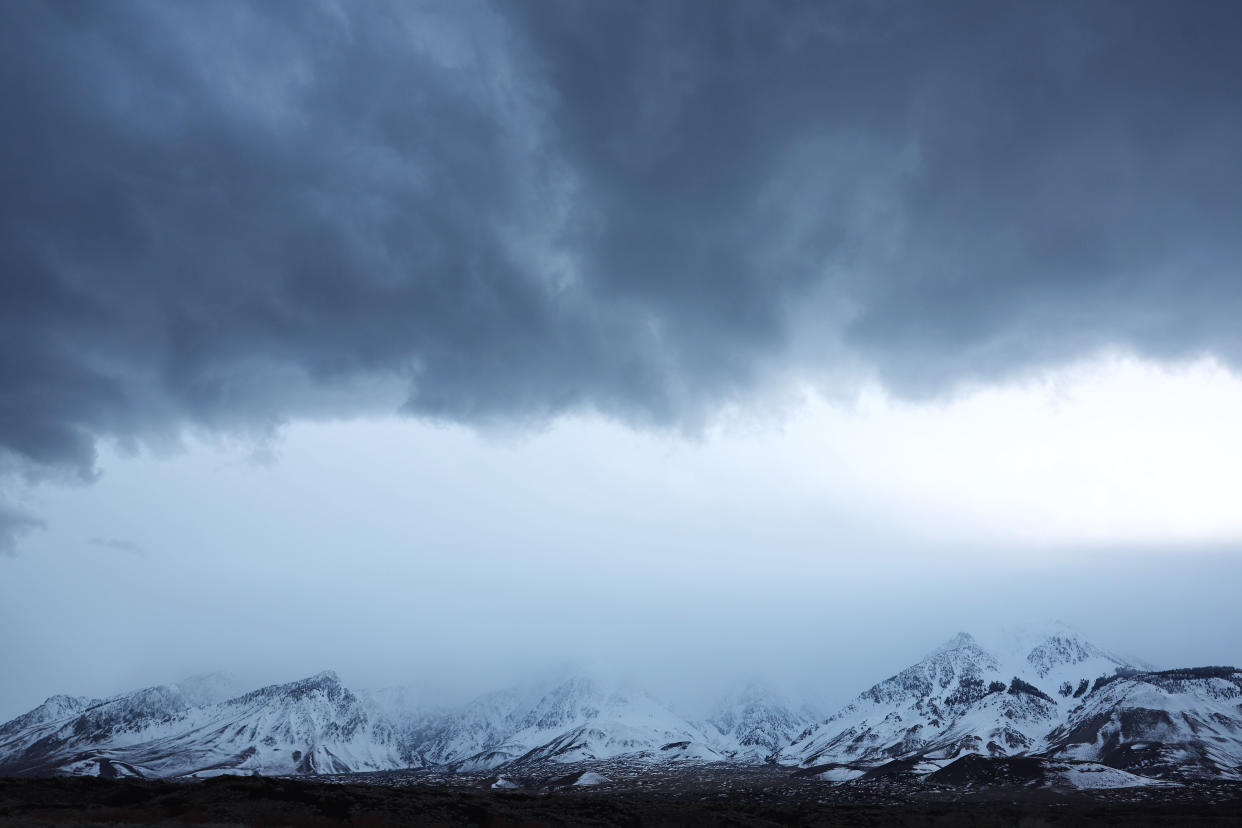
962, 698
1055, 696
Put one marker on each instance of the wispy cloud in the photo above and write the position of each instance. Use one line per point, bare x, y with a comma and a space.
119, 545
13, 524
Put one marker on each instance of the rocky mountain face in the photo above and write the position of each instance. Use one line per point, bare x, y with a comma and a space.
1054, 696
962, 698
1169, 724
1051, 697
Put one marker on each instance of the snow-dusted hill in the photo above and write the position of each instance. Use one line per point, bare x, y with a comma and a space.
1049, 696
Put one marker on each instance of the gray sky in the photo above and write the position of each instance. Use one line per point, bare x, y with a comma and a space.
428, 341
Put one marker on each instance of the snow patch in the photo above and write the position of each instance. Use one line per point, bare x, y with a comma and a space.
840, 774
1091, 776
592, 778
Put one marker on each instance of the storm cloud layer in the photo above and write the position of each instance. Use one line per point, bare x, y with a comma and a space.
231, 214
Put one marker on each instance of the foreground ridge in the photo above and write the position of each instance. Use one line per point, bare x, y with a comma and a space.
750, 795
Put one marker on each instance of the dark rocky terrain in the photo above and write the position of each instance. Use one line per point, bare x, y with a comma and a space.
711, 795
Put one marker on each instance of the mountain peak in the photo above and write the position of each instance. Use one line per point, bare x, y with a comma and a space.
1063, 649
54, 707
326, 682
962, 639
963, 642
1019, 639
63, 701
210, 688
1047, 646
325, 677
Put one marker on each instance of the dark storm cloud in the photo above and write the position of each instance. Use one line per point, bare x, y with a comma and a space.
211, 213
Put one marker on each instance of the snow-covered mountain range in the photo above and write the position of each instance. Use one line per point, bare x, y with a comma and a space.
311, 726
1049, 694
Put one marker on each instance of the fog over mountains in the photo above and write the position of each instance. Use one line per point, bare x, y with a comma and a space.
1048, 693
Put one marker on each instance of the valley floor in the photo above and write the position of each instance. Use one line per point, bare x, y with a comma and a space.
700, 796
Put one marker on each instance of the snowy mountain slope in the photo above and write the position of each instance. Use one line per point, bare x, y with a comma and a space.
576, 718
42, 730
1175, 723
753, 724
584, 719
962, 698
28, 732
477, 732
310, 726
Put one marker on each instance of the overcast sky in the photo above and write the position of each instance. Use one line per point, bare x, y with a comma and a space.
431, 341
